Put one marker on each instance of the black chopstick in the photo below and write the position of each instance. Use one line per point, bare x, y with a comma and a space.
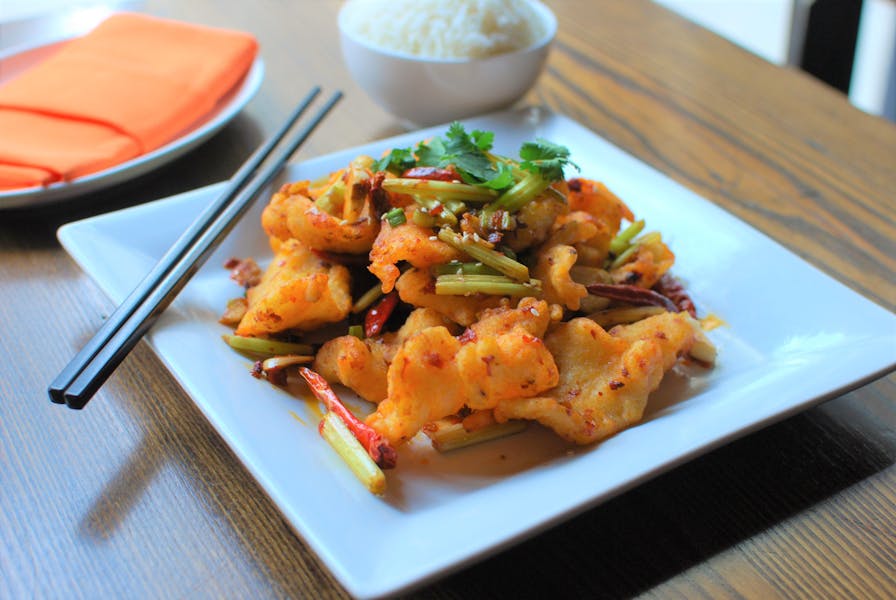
80, 380
175, 253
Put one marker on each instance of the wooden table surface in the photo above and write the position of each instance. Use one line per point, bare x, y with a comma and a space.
138, 496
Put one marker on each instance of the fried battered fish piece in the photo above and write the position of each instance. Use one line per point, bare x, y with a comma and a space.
293, 213
652, 260
435, 374
359, 365
418, 288
297, 291
322, 231
596, 199
409, 242
555, 259
605, 377
362, 365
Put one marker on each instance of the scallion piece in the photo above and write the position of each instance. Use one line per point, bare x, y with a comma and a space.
478, 249
356, 331
395, 217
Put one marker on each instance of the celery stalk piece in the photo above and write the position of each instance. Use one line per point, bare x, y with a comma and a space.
619, 243
624, 257
469, 268
367, 299
448, 435
495, 285
438, 211
263, 346
519, 194
423, 219
332, 199
350, 450
481, 252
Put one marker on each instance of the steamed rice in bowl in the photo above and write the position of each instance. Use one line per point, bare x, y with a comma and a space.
434, 61
462, 29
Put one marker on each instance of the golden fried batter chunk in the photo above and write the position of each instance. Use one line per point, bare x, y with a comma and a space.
605, 378
420, 385
534, 222
435, 374
552, 267
322, 231
555, 259
651, 261
273, 218
408, 241
417, 321
296, 291
293, 213
362, 365
417, 287
596, 199
359, 365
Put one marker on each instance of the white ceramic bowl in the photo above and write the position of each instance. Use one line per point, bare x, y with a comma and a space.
428, 91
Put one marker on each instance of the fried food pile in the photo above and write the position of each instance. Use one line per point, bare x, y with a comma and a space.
474, 288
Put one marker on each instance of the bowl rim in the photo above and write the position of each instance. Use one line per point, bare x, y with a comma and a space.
547, 15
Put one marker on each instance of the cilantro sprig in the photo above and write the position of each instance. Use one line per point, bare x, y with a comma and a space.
469, 153
545, 158
397, 161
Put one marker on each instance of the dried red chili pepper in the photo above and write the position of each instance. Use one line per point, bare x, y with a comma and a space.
632, 294
378, 447
376, 317
672, 289
431, 173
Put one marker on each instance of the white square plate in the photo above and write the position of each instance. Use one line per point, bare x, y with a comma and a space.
782, 349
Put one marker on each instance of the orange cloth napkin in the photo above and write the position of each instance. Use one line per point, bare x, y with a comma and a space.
128, 87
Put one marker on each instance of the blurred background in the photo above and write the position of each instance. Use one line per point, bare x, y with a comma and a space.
848, 44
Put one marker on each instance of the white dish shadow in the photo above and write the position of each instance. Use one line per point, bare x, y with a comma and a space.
445, 511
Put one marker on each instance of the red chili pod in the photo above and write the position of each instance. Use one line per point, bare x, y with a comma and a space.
376, 317
431, 173
672, 289
631, 294
378, 447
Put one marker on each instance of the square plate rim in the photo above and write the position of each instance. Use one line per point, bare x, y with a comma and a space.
68, 235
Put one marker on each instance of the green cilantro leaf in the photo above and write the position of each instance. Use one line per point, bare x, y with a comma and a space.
483, 139
397, 161
430, 155
503, 178
545, 158
467, 153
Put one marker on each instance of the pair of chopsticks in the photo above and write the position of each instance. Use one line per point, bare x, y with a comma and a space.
93, 364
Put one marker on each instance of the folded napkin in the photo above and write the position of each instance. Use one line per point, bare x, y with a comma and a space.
128, 87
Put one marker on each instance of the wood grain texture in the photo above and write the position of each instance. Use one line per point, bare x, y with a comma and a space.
138, 496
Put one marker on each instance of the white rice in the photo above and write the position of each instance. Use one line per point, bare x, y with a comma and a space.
447, 29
